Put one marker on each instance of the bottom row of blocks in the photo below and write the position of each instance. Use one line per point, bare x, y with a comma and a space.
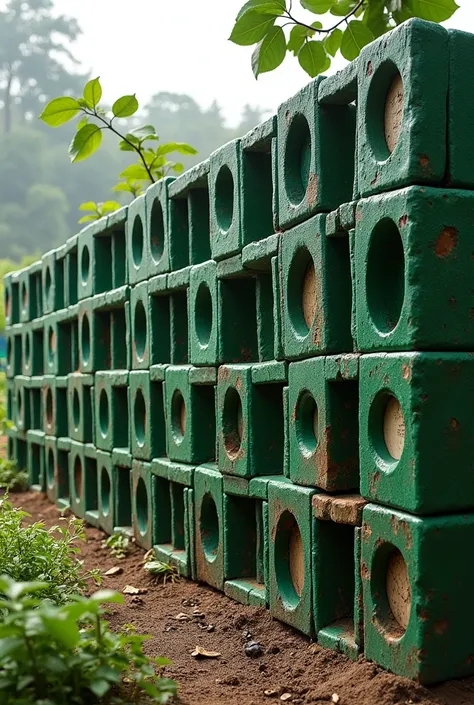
360, 577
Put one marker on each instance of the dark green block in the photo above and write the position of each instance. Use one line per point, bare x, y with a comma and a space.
190, 417
249, 424
14, 340
22, 403
80, 396
158, 227
17, 448
137, 244
291, 530
404, 242
94, 259
139, 315
36, 470
53, 282
460, 103
322, 426
225, 203
192, 188
71, 289
258, 255
179, 333
111, 410
77, 478
147, 421
407, 69
23, 277
315, 156
264, 301
315, 291
54, 404
105, 492
209, 525
94, 335
415, 421
117, 224
122, 490
417, 586
91, 485
142, 504
203, 314
11, 299
35, 387
179, 232
57, 472
60, 342
33, 348
237, 319
159, 320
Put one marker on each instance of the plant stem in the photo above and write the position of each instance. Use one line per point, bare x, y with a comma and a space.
330, 29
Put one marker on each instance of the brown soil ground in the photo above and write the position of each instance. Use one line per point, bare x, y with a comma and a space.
290, 663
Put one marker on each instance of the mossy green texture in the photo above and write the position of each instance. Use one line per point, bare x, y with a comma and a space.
225, 200
249, 422
80, 400
315, 156
209, 525
147, 419
433, 640
322, 426
203, 315
158, 227
142, 504
190, 417
315, 291
416, 52
291, 528
112, 418
415, 422
137, 245
460, 106
414, 270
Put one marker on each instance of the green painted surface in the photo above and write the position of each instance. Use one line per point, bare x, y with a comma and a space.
147, 419
142, 504
209, 525
225, 200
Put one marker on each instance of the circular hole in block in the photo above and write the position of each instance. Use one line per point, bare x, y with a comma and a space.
203, 314
8, 303
301, 292
141, 499
104, 413
398, 589
50, 468
307, 423
139, 417
141, 333
297, 159
24, 297
27, 349
233, 424
384, 110
85, 340
76, 410
78, 478
137, 241
385, 276
85, 264
49, 407
224, 203
387, 428
209, 527
391, 590
51, 345
289, 559
105, 490
178, 416
48, 282
157, 231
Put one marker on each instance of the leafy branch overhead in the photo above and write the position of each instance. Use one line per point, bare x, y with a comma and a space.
152, 158
275, 30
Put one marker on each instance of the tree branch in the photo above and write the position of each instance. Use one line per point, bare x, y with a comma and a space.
330, 29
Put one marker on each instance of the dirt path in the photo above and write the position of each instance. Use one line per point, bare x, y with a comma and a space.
290, 664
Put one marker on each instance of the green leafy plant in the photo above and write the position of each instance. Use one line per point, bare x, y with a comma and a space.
357, 23
152, 161
30, 552
11, 478
67, 655
119, 545
160, 571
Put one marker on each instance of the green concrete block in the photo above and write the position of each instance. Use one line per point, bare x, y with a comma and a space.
402, 108
137, 244
35, 388
57, 472
11, 294
54, 403
322, 427
139, 314
60, 342
404, 242
460, 143
203, 375
347, 212
237, 320
190, 417
122, 494
193, 186
341, 87
249, 424
209, 525
160, 321
258, 255
290, 530
26, 307
80, 399
22, 403
264, 295
36, 470
203, 315
179, 232
117, 223
105, 492
142, 504
179, 334
270, 372
33, 348
53, 282
94, 335
71, 288
111, 410
315, 291
315, 156
414, 420
91, 485
225, 200
147, 420
76, 478
258, 486
94, 259
418, 593
158, 227
277, 318
17, 448
14, 340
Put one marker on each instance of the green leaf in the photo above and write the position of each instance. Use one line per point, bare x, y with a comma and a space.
141, 133
82, 122
59, 111
110, 206
180, 147
88, 206
85, 143
376, 18
312, 58
99, 687
126, 146
272, 7
62, 630
434, 10
356, 35
125, 106
332, 42
88, 218
251, 28
343, 7
270, 52
297, 36
135, 171
123, 186
93, 91
319, 7
107, 595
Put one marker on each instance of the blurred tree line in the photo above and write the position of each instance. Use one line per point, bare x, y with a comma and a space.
39, 189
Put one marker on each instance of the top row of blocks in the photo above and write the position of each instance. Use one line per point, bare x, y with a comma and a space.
398, 115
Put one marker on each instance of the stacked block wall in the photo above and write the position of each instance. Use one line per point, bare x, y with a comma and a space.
263, 368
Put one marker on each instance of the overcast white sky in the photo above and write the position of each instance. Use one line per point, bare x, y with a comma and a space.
146, 46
